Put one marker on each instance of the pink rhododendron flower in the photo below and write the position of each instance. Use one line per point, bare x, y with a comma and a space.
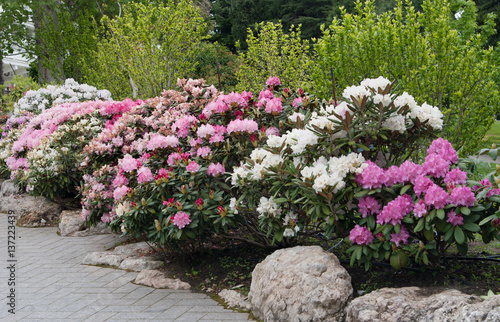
437, 197
215, 169
219, 129
162, 173
120, 180
297, 102
272, 131
216, 138
422, 183
393, 175
486, 183
246, 95
120, 192
372, 176
274, 106
108, 217
462, 196
144, 175
160, 141
174, 159
128, 163
181, 220
444, 149
410, 171
193, 167
205, 130
203, 151
246, 125
401, 237
435, 165
273, 81
368, 206
420, 208
360, 235
395, 210
235, 100
455, 177
455, 219
196, 142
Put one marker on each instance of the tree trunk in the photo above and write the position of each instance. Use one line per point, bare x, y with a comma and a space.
45, 75
2, 81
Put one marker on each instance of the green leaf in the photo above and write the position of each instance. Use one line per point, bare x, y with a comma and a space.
420, 225
493, 154
471, 227
425, 259
361, 193
429, 235
465, 211
459, 235
487, 219
440, 214
404, 189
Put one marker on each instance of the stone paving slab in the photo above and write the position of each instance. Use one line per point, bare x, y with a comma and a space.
53, 285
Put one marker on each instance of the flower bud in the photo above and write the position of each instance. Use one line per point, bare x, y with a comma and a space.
178, 205
183, 189
157, 225
211, 195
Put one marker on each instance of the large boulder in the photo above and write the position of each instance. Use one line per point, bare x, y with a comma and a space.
414, 304
71, 224
300, 284
30, 211
8, 188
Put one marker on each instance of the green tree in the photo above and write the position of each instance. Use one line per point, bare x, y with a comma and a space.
425, 54
147, 47
271, 52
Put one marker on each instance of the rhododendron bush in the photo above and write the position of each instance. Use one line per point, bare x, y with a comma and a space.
345, 171
167, 162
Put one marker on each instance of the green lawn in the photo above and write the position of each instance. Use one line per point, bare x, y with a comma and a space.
493, 135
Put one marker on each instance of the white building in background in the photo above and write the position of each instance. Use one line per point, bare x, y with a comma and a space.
17, 63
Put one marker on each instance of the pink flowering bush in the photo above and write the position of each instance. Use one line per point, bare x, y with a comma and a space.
422, 212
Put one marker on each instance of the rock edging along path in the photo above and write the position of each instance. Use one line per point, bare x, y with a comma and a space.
51, 284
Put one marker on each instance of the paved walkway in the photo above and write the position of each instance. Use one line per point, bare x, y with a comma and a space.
52, 285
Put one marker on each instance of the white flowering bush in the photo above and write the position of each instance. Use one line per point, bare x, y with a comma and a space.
71, 92
302, 182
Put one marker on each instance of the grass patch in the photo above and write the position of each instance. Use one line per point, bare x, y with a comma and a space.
492, 136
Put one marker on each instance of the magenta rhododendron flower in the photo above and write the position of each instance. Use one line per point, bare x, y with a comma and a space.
215, 169
395, 210
246, 95
455, 219
444, 149
420, 208
393, 175
435, 165
368, 206
144, 175
181, 220
422, 183
462, 196
273, 81
437, 197
372, 176
401, 237
193, 167
455, 177
486, 183
120, 192
360, 235
120, 180
162, 173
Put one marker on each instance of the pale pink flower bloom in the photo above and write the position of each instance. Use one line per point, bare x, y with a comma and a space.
297, 102
144, 175
203, 151
193, 167
274, 106
128, 163
215, 169
273, 81
204, 130
120, 192
160, 141
181, 220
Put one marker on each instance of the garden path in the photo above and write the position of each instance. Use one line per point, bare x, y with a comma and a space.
51, 284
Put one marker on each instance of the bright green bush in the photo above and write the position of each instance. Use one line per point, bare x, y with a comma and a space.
15, 91
147, 47
438, 60
273, 53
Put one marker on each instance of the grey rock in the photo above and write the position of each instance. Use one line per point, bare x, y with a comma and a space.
414, 304
234, 299
133, 249
70, 222
157, 279
31, 211
300, 284
99, 229
9, 188
139, 264
103, 258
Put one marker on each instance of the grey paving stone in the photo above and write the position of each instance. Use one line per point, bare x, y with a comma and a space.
190, 317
